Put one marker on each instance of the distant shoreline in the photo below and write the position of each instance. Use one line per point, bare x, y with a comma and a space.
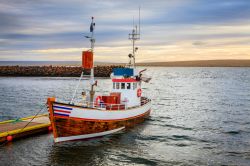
201, 63
196, 63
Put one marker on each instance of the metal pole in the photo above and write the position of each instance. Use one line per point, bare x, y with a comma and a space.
133, 36
92, 81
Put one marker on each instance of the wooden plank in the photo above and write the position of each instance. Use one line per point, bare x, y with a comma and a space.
26, 118
24, 126
15, 125
66, 127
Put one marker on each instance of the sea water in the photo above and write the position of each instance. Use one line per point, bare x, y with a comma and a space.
200, 116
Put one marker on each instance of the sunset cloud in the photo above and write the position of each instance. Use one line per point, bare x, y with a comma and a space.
171, 30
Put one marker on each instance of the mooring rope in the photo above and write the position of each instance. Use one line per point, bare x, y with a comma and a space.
71, 102
33, 117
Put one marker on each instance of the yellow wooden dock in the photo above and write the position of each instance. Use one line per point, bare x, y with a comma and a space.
20, 128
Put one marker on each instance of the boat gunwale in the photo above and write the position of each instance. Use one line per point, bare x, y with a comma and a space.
100, 109
104, 120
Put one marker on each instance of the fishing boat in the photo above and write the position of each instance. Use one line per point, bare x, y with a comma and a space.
99, 115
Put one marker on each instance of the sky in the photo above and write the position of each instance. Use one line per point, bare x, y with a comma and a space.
171, 30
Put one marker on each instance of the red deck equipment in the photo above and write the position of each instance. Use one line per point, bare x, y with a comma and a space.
109, 99
87, 59
118, 95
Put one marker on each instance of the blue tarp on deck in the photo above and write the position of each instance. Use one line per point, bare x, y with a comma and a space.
123, 71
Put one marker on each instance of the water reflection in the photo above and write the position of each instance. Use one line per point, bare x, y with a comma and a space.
107, 150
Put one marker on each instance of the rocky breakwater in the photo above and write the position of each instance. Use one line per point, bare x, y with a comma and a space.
53, 71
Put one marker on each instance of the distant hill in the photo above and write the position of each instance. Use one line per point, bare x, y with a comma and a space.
200, 63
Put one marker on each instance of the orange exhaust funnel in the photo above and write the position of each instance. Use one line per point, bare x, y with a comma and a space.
87, 59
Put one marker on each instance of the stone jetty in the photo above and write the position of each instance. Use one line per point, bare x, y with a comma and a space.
54, 71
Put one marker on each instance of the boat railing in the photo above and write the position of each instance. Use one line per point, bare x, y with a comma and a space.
104, 106
121, 107
108, 106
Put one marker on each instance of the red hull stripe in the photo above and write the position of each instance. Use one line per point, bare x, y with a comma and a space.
100, 120
124, 80
62, 111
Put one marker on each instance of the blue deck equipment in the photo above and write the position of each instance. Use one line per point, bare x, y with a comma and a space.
123, 71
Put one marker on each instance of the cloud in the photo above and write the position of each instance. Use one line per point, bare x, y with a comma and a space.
51, 29
205, 12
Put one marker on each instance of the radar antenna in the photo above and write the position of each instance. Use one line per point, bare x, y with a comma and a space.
135, 35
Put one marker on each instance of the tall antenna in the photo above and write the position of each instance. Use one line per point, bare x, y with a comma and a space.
133, 21
92, 39
135, 35
139, 21
92, 78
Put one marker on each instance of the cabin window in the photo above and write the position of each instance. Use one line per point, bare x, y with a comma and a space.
117, 85
128, 86
134, 85
122, 85
113, 85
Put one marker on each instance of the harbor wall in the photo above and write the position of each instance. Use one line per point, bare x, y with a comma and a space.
54, 71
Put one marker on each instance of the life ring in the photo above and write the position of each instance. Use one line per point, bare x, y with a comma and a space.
139, 92
98, 100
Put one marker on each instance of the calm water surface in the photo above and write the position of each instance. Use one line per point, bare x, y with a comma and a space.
200, 116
